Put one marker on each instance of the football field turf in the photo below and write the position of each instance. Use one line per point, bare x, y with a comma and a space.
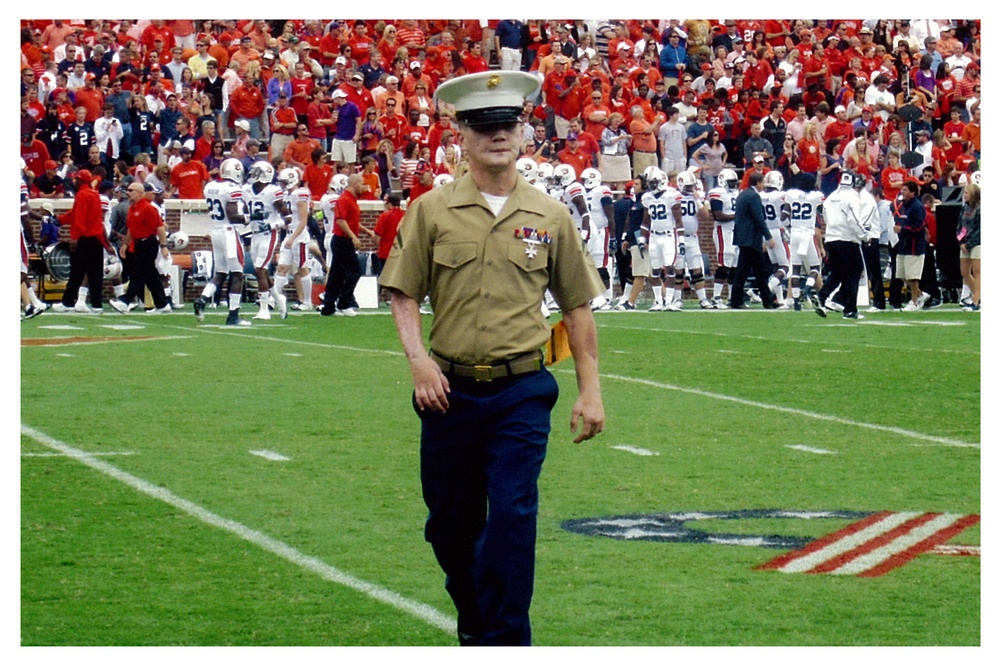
764, 478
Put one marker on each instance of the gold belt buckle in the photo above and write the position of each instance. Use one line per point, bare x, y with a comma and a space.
482, 373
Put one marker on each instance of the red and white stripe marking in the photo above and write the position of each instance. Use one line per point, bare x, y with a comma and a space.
875, 545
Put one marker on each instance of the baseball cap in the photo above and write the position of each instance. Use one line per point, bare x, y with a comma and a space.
357, 77
51, 164
152, 187
243, 124
572, 136
391, 79
840, 107
865, 30
759, 158
488, 98
268, 55
415, 64
85, 175
338, 93
341, 60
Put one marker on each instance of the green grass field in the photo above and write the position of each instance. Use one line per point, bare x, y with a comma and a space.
148, 519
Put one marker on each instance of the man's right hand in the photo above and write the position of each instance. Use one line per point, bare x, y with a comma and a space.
430, 386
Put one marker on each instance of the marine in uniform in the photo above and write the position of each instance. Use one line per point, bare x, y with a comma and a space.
485, 247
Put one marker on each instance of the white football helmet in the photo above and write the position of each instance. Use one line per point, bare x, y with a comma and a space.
443, 179
231, 169
112, 266
977, 178
261, 172
545, 172
289, 177
178, 240
563, 175
591, 178
687, 182
773, 180
527, 168
657, 180
728, 179
338, 183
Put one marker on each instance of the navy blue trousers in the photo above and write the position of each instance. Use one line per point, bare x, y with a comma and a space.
479, 467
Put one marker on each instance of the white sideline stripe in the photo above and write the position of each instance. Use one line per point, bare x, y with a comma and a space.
422, 611
792, 411
269, 455
636, 450
901, 543
845, 544
811, 450
50, 454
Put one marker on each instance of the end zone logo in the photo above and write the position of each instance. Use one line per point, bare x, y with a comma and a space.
875, 543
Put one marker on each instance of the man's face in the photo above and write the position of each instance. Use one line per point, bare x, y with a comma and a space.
78, 69
135, 192
492, 148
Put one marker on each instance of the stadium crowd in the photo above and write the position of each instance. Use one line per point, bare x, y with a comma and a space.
166, 102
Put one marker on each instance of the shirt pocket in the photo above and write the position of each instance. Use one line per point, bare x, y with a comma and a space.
527, 271
454, 267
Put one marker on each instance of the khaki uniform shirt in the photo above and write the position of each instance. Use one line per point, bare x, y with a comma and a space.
485, 280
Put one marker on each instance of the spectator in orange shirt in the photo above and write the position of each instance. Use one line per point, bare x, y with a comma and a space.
189, 176
971, 132
372, 183
643, 141
573, 156
299, 152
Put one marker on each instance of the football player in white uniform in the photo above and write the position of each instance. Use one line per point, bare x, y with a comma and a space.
603, 241
722, 200
294, 254
572, 194
225, 207
32, 305
530, 170
268, 213
776, 212
804, 240
689, 254
661, 230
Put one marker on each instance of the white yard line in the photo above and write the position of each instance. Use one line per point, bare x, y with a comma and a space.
772, 339
269, 455
660, 385
54, 454
811, 450
638, 451
948, 442
422, 611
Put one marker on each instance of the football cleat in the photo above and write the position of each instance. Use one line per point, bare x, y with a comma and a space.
199, 309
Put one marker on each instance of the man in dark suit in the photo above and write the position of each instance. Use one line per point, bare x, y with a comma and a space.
750, 234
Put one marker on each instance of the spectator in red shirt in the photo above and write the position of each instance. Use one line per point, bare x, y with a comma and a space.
318, 174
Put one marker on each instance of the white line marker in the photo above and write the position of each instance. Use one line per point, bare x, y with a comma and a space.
420, 610
181, 354
948, 442
53, 454
63, 354
61, 327
636, 450
122, 327
292, 354
811, 450
269, 455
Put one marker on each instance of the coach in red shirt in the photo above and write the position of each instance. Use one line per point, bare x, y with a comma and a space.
345, 272
146, 238
87, 241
